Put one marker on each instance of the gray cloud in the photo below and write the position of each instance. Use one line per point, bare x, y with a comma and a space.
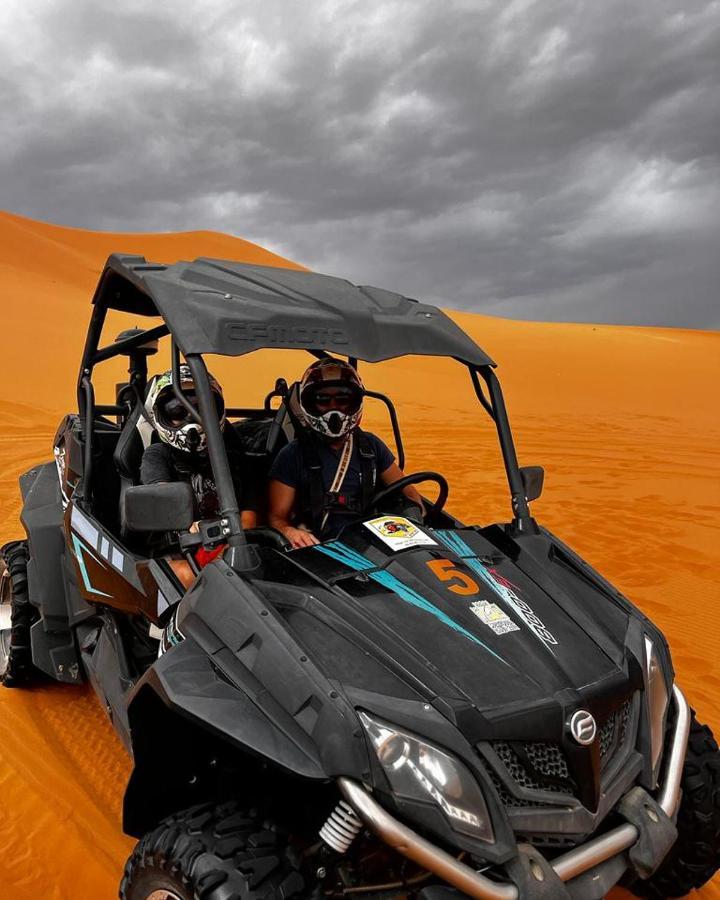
546, 160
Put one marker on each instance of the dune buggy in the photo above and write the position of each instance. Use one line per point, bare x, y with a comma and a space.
429, 709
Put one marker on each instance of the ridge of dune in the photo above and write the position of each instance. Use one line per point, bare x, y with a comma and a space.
618, 415
85, 245
43, 265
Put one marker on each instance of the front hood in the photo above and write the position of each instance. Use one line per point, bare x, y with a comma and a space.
473, 612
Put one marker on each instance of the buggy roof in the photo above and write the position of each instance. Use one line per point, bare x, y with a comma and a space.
232, 308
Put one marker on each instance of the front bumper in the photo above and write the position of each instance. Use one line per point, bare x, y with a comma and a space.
573, 864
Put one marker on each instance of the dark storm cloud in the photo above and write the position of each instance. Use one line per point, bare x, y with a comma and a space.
549, 160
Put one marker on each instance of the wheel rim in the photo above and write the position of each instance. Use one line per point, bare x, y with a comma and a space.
5, 620
163, 894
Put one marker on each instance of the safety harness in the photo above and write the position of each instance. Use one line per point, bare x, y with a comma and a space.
316, 503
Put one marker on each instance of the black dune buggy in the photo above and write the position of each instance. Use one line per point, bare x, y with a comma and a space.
428, 709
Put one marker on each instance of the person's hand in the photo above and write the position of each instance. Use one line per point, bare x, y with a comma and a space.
298, 537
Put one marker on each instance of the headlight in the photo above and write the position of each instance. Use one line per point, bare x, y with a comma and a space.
656, 697
419, 771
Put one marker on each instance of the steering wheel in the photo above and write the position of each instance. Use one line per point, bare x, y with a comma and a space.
416, 478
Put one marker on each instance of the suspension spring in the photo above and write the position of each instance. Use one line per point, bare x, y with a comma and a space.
341, 827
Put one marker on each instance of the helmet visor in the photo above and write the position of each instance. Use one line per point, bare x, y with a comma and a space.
173, 413
321, 398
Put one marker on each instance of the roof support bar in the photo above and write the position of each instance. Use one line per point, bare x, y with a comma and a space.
97, 320
240, 556
395, 424
481, 394
522, 520
83, 488
177, 385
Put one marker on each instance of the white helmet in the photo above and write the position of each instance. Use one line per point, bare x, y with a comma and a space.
335, 413
169, 416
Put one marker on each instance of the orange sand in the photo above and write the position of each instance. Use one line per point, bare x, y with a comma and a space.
622, 419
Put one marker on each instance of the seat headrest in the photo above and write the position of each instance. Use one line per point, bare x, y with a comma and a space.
286, 423
130, 446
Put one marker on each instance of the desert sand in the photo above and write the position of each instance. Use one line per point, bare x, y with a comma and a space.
624, 420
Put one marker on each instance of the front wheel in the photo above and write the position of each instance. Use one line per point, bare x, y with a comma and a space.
17, 616
213, 853
695, 856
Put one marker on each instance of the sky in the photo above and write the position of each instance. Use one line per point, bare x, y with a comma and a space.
553, 160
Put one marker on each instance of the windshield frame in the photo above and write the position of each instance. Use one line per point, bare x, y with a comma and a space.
228, 503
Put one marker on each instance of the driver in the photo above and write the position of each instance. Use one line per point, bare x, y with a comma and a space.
327, 477
181, 455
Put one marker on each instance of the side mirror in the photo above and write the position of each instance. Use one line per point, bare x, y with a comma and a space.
159, 507
533, 478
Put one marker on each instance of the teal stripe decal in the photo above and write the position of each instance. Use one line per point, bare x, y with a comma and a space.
410, 596
458, 545
354, 560
79, 548
454, 542
346, 555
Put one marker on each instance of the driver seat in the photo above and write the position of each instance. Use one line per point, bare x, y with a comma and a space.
136, 435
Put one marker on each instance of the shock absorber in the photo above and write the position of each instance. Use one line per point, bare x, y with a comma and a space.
341, 828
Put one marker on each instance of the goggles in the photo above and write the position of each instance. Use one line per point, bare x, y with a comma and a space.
174, 413
344, 399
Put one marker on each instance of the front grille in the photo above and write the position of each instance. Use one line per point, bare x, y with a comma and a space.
548, 766
509, 800
548, 759
612, 732
542, 765
607, 735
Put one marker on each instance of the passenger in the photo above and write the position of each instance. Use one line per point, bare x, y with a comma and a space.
325, 479
181, 455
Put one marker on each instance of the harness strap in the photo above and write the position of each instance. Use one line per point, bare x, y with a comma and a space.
368, 468
313, 493
340, 473
315, 502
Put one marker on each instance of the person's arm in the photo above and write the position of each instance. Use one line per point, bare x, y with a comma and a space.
392, 474
247, 499
248, 517
245, 486
281, 500
390, 471
154, 466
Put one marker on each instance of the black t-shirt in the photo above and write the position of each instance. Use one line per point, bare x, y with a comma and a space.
161, 462
289, 469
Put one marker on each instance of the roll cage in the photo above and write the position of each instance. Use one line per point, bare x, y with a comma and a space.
385, 326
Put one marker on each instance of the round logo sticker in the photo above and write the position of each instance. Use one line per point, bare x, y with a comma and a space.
400, 527
583, 727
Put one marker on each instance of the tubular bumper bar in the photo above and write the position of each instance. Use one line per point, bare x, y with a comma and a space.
567, 866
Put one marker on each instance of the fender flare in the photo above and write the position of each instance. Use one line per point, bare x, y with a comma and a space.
183, 717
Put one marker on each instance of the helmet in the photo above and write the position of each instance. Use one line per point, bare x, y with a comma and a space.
168, 414
329, 422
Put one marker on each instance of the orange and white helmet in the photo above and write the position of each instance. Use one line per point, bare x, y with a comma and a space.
331, 398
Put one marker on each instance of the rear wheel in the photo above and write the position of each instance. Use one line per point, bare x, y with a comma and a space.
695, 856
17, 615
212, 853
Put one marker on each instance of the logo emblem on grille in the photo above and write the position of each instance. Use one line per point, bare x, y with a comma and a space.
583, 727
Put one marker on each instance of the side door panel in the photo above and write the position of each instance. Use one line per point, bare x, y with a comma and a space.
106, 573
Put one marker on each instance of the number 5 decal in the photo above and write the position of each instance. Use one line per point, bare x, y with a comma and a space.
446, 570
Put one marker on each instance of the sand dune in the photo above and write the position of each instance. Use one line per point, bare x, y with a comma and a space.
623, 419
